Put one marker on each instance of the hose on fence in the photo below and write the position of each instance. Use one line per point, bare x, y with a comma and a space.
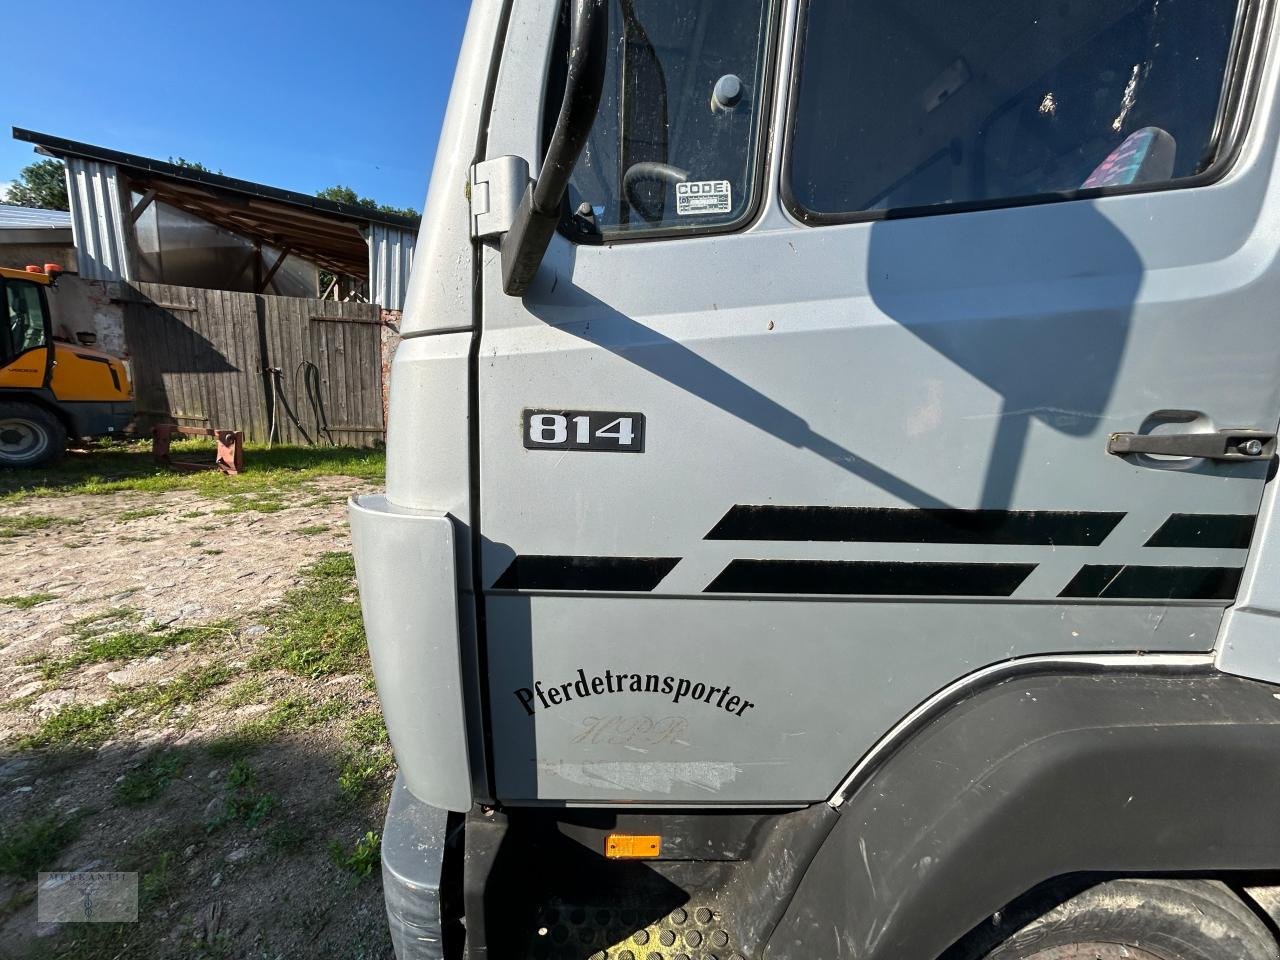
279, 397
311, 383
309, 374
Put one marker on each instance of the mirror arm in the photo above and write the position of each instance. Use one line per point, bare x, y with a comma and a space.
525, 244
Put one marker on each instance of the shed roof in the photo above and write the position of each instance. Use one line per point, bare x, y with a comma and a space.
32, 218
330, 234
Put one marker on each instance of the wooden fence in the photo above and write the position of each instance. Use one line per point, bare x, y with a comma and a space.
256, 363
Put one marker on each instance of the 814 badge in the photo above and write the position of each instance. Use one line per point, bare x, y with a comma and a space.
597, 430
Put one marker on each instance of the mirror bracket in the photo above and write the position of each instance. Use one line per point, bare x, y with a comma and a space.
538, 215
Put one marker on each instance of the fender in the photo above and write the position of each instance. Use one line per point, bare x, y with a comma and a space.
1036, 770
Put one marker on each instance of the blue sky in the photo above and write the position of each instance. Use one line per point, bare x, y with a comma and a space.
300, 95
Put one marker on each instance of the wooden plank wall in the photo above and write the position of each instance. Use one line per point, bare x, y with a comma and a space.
232, 360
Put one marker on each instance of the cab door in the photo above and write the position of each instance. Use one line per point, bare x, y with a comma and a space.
807, 414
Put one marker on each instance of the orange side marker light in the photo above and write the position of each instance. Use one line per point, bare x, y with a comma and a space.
622, 846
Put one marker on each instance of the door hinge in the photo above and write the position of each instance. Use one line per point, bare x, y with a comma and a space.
496, 188
1221, 445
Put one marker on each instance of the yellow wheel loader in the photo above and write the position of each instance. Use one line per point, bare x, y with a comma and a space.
51, 389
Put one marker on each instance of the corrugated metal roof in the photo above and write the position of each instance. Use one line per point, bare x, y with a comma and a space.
390, 257
31, 218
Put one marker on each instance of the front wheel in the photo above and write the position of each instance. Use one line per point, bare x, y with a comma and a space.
30, 436
1144, 919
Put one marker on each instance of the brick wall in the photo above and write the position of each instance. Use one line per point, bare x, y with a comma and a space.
390, 340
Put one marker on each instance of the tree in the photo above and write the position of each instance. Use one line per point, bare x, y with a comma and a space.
192, 165
348, 197
41, 184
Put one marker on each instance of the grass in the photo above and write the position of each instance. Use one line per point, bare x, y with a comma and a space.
247, 691
25, 601
368, 729
32, 844
362, 772
93, 724
131, 645
313, 529
140, 513
244, 802
360, 859
20, 526
150, 781
318, 630
285, 716
129, 466
365, 764
97, 623
257, 502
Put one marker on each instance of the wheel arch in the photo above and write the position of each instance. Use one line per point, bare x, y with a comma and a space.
1041, 772
45, 402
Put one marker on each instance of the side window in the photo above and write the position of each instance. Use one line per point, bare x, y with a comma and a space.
677, 136
24, 325
935, 102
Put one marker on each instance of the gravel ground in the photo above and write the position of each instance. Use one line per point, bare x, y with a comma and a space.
184, 695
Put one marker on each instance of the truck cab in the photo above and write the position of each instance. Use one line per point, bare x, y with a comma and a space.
830, 500
51, 389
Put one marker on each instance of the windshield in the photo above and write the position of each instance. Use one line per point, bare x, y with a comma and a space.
676, 138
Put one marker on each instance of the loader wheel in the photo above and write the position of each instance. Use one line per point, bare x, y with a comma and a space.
30, 436
1144, 919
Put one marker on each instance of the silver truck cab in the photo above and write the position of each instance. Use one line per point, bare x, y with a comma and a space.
830, 505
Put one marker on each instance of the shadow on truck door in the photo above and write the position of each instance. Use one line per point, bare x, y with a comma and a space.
1033, 302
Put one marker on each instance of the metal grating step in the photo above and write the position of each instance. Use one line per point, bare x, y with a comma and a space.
579, 931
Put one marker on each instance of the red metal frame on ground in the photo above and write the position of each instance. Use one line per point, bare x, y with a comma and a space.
229, 458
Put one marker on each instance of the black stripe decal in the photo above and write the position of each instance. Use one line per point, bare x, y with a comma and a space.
115, 380
1113, 581
846, 577
891, 525
624, 574
1226, 530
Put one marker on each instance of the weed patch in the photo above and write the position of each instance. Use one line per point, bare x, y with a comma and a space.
286, 716
265, 502
140, 514
366, 764
362, 772
19, 526
244, 802
30, 845
251, 690
99, 623
319, 630
360, 859
25, 601
131, 645
150, 781
313, 529
92, 724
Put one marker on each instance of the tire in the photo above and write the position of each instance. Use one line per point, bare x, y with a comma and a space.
1144, 919
30, 436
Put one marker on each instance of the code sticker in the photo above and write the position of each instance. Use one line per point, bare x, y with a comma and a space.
703, 196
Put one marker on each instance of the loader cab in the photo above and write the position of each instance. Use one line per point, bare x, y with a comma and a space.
829, 440
27, 326
51, 390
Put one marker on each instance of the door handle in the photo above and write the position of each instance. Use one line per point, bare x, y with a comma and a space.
1220, 445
